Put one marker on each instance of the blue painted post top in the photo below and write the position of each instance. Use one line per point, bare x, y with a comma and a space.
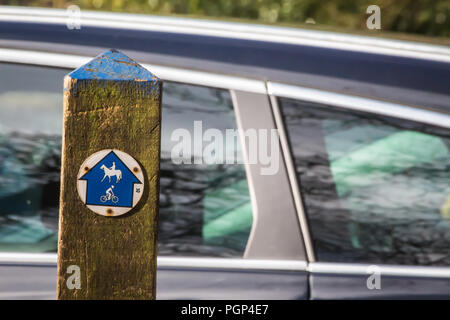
113, 65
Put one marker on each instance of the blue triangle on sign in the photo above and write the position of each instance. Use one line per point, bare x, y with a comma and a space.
110, 183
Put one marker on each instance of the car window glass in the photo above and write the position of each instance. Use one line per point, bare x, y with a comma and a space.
204, 208
30, 144
375, 189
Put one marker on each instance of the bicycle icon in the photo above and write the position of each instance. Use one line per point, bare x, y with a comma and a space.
109, 196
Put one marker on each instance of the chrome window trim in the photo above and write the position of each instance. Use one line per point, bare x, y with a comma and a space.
50, 259
28, 258
166, 73
315, 38
225, 263
359, 104
292, 176
385, 270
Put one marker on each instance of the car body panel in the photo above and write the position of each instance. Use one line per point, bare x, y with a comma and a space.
33, 276
336, 286
39, 282
350, 281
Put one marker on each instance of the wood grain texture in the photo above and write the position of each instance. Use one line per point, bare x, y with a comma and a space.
116, 255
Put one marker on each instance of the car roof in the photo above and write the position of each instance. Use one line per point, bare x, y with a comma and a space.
400, 71
234, 30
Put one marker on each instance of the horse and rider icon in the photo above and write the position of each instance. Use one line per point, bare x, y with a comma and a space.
111, 172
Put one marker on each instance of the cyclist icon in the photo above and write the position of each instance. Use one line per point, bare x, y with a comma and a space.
109, 196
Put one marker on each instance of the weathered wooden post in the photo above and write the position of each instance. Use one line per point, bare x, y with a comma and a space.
109, 181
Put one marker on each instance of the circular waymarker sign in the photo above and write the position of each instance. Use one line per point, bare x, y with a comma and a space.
110, 182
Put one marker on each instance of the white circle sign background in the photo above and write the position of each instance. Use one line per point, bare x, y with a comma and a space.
133, 166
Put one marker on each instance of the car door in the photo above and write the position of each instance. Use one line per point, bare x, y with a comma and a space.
373, 180
226, 230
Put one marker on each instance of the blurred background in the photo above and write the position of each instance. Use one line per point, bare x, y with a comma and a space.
409, 17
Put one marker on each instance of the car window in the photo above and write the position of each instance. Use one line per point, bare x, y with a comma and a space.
375, 189
204, 208
30, 144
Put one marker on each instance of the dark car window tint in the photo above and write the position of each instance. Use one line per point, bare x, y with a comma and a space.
376, 189
204, 208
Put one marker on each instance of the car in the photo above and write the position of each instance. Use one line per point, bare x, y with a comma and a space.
358, 208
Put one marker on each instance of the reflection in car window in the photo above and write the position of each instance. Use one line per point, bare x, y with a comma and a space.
30, 144
375, 189
204, 208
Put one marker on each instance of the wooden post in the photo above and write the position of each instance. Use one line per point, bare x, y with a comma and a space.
109, 103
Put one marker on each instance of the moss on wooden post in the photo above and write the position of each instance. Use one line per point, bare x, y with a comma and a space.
109, 103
